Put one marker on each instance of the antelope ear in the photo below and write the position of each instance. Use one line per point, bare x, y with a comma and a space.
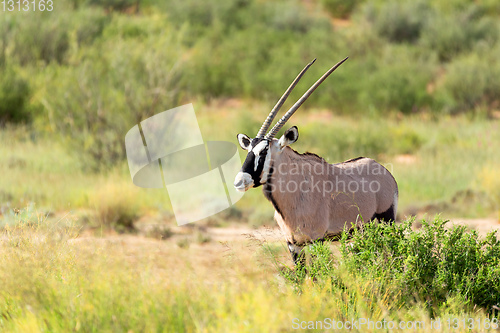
244, 141
291, 135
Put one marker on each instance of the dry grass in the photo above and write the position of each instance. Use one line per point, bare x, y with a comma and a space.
116, 205
489, 179
54, 280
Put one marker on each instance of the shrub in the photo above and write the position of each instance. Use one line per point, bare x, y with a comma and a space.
470, 82
231, 16
337, 141
203, 16
5, 32
341, 143
449, 35
93, 105
398, 85
431, 265
116, 206
290, 16
116, 5
80, 106
38, 39
405, 140
254, 58
15, 94
399, 21
340, 8
91, 24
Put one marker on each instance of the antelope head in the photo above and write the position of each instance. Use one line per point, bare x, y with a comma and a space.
255, 169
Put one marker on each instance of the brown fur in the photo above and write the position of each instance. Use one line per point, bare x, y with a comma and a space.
309, 214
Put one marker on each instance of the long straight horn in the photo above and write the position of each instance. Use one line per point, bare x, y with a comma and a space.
297, 105
277, 107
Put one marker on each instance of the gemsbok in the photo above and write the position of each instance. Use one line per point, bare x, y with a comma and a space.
313, 200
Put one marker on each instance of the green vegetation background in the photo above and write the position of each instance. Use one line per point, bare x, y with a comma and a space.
420, 93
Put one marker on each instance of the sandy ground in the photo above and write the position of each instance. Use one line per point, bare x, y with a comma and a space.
214, 252
482, 226
241, 235
272, 233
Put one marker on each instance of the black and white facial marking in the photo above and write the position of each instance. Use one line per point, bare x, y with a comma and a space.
255, 169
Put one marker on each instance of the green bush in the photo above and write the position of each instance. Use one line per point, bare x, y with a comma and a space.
370, 137
230, 16
36, 37
492, 7
340, 8
92, 106
399, 21
343, 142
179, 51
116, 5
115, 206
398, 85
450, 34
91, 24
4, 33
431, 265
394, 78
291, 16
470, 82
405, 140
15, 94
253, 55
249, 63
201, 17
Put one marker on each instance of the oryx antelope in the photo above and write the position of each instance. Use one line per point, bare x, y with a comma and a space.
313, 199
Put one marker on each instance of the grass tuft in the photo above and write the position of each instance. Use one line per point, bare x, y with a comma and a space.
116, 206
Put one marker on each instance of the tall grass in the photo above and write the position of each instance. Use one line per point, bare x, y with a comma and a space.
15, 93
54, 281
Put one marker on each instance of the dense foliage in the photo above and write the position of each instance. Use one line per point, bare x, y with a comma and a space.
89, 69
432, 265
